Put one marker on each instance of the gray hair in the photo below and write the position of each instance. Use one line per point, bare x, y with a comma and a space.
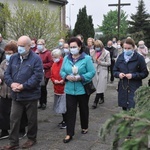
56, 52
41, 41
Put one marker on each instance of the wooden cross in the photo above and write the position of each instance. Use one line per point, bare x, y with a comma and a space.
119, 5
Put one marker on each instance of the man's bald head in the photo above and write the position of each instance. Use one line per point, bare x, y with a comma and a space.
24, 41
109, 43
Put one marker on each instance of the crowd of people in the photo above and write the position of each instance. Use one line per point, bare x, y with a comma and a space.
26, 67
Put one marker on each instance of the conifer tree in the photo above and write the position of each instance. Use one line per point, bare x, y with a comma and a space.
83, 24
140, 24
91, 29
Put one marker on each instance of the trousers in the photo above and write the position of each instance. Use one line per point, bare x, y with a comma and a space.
43, 98
17, 109
72, 101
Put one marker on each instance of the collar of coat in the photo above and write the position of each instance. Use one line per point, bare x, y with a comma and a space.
133, 58
82, 56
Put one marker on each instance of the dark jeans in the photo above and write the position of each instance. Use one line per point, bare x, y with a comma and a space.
5, 109
43, 98
110, 69
72, 102
17, 109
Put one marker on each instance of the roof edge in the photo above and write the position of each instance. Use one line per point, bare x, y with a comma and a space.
62, 2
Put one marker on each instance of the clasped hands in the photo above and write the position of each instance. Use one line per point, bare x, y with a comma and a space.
73, 78
58, 82
128, 76
16, 87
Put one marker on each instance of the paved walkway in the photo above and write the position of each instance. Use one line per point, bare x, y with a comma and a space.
50, 136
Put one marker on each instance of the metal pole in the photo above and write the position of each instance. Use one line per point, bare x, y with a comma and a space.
70, 15
119, 19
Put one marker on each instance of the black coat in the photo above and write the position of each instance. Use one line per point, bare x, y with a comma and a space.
126, 88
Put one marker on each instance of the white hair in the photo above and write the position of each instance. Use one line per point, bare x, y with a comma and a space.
56, 52
141, 42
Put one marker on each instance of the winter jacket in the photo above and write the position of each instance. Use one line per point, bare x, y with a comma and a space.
126, 88
113, 52
143, 51
55, 75
47, 62
28, 72
85, 70
2, 55
100, 78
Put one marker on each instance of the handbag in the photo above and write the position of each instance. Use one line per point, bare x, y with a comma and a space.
89, 88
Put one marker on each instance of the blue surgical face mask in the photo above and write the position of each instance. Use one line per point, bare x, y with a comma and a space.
40, 47
32, 46
21, 50
66, 50
60, 43
74, 51
97, 49
56, 60
8, 57
128, 52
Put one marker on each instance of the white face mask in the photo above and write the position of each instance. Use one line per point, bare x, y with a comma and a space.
74, 51
66, 50
56, 60
118, 46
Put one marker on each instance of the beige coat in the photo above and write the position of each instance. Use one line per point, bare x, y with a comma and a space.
101, 64
4, 89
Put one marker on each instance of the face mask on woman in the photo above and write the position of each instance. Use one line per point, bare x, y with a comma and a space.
40, 47
60, 43
74, 51
128, 52
32, 46
56, 60
97, 49
66, 50
8, 57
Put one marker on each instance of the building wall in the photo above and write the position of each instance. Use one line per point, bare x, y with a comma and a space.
52, 6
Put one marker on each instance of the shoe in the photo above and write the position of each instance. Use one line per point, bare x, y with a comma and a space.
67, 140
43, 107
40, 106
101, 101
94, 106
111, 82
84, 131
60, 124
4, 135
29, 143
9, 147
64, 126
22, 135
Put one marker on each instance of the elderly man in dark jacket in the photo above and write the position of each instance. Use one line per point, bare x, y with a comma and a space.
113, 55
23, 75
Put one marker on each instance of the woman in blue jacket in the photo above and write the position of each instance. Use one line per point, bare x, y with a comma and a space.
131, 68
77, 69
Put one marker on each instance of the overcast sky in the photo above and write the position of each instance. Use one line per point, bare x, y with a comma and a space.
97, 8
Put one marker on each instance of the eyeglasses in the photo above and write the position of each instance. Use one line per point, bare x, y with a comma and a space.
128, 48
8, 53
40, 44
73, 47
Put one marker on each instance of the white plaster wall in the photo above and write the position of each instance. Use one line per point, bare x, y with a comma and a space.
11, 3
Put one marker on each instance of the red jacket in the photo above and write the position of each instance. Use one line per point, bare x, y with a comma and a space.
47, 62
58, 88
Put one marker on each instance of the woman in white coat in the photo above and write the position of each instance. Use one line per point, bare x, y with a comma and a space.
101, 60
